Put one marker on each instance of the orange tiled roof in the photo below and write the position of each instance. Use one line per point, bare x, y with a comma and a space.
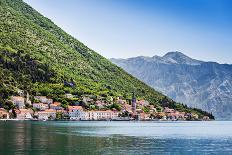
47, 111
3, 110
24, 110
50, 110
57, 103
17, 97
54, 105
75, 108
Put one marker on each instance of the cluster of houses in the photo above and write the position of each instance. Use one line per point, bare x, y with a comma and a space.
46, 109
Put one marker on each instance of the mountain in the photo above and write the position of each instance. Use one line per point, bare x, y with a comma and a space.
205, 85
40, 58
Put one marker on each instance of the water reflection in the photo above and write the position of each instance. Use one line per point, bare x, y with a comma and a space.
115, 138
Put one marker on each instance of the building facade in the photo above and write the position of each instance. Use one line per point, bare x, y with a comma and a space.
18, 101
47, 114
4, 114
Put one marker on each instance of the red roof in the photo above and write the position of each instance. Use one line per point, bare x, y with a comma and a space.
57, 103
75, 108
48, 111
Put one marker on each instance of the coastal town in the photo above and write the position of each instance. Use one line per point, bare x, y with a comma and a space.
89, 108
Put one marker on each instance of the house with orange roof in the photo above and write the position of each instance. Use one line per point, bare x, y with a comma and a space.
47, 114
76, 113
18, 101
24, 114
143, 116
4, 114
40, 106
57, 103
176, 115
74, 108
56, 106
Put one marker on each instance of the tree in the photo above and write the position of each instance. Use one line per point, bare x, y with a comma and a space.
59, 115
64, 104
115, 106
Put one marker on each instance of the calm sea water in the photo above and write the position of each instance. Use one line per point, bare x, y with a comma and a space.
115, 138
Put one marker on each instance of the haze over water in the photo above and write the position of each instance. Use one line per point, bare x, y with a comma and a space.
116, 137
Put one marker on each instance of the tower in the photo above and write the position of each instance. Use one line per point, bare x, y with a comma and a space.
133, 102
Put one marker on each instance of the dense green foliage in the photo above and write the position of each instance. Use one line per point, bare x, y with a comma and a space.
38, 56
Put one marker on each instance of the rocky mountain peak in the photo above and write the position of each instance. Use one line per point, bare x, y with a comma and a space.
180, 58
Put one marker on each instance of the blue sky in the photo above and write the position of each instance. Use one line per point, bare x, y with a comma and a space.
202, 29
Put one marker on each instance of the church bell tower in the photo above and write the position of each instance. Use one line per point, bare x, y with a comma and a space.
133, 102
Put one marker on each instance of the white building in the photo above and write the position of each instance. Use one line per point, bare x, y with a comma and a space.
44, 99
18, 101
102, 115
76, 113
24, 114
40, 106
47, 114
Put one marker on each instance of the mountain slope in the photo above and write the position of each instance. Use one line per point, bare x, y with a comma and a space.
205, 85
39, 57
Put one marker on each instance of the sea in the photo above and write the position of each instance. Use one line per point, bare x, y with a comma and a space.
115, 137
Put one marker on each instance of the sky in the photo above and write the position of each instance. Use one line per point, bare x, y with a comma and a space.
201, 29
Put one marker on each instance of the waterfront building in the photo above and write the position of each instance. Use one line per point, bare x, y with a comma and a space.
24, 114
47, 114
4, 114
143, 116
102, 115
76, 113
206, 118
195, 116
175, 115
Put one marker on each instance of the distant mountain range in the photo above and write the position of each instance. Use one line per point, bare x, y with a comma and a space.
206, 85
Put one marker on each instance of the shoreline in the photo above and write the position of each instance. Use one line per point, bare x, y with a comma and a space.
5, 120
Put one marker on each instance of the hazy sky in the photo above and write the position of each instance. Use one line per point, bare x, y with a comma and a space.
201, 29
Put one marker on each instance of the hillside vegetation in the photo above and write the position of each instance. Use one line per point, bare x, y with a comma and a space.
40, 58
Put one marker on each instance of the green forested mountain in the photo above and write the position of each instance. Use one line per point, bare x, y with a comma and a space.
39, 57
